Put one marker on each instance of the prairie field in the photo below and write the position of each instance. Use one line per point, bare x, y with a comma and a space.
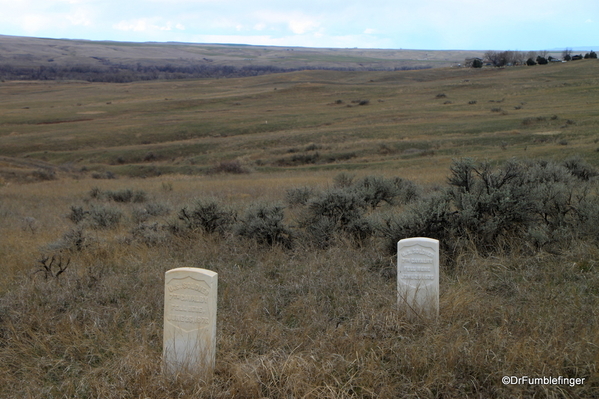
295, 188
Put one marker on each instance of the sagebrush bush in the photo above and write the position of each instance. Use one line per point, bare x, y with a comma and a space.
344, 209
264, 223
580, 168
150, 234
298, 196
431, 217
104, 217
299, 159
209, 216
538, 204
73, 240
490, 203
126, 195
332, 212
76, 239
343, 180
375, 189
78, 214
44, 174
96, 193
233, 167
123, 196
142, 214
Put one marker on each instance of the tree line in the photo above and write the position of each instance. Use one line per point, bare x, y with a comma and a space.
514, 58
124, 73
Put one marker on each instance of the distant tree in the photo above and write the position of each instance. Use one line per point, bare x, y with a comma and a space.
530, 62
531, 54
519, 58
567, 54
501, 58
477, 63
542, 60
593, 54
492, 57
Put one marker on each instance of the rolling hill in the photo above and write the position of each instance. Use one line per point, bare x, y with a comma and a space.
23, 52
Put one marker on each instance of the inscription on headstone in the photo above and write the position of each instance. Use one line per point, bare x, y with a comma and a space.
189, 341
418, 276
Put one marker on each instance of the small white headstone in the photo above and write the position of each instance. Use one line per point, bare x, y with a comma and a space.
418, 276
190, 320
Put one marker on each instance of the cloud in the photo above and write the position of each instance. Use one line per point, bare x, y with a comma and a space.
297, 22
301, 25
80, 18
146, 25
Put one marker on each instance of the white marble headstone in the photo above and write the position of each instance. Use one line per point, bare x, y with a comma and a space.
418, 276
189, 341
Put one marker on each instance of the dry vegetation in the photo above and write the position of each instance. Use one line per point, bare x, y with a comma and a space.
299, 316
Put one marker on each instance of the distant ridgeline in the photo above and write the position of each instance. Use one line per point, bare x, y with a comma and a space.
122, 73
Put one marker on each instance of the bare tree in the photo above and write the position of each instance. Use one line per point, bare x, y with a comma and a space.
532, 54
567, 54
492, 57
498, 58
519, 58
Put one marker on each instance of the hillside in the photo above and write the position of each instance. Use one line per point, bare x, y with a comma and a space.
85, 60
308, 120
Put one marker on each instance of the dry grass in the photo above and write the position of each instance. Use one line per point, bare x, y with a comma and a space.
291, 323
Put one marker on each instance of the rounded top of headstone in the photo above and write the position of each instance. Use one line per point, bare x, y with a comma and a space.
426, 239
192, 270
423, 240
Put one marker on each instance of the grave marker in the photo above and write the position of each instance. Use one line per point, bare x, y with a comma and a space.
189, 341
418, 276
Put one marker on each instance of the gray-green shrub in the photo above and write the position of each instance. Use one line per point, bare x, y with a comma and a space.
127, 195
332, 212
264, 223
343, 180
104, 217
298, 196
143, 213
431, 217
124, 196
150, 234
376, 189
208, 216
537, 204
78, 214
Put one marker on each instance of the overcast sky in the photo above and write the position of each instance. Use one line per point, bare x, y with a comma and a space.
408, 24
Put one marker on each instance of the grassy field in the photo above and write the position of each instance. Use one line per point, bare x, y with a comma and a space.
96, 176
310, 120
